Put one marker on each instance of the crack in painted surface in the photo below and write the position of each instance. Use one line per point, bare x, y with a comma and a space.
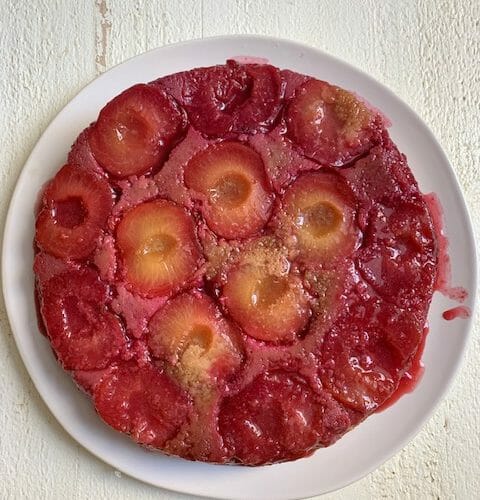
103, 27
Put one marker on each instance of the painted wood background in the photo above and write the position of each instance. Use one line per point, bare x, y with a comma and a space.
428, 52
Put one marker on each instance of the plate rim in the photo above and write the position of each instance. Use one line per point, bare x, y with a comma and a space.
9, 222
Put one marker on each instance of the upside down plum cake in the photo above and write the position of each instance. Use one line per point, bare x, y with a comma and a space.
235, 263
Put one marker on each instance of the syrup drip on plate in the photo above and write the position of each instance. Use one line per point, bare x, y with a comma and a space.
457, 312
444, 277
410, 378
443, 284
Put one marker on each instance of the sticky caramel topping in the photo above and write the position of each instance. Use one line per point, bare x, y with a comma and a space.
200, 336
322, 218
269, 290
160, 246
231, 190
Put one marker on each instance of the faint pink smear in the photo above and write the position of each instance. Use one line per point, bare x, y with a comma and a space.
249, 60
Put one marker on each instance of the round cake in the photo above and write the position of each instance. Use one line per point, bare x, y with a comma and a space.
235, 263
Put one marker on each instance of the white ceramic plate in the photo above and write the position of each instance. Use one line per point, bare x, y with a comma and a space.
361, 450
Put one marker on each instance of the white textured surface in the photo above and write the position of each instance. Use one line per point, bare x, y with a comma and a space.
427, 52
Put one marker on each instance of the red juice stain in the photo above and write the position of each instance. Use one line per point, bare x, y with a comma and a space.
410, 378
444, 273
457, 312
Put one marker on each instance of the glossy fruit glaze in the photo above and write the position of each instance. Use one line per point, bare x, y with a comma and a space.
235, 263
